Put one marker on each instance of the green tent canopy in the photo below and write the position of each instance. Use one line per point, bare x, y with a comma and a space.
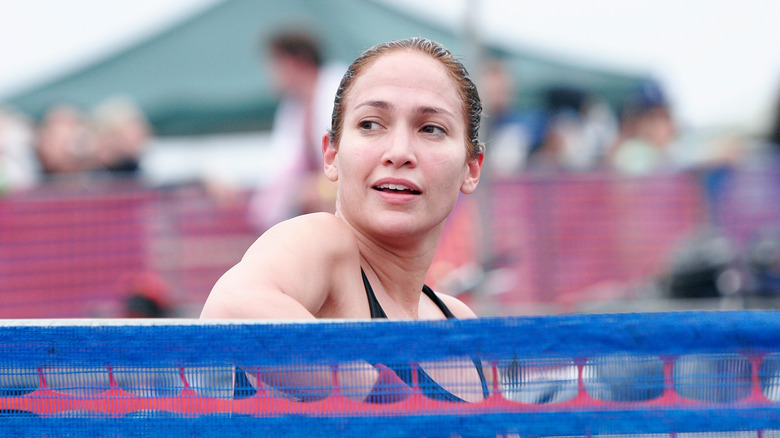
206, 74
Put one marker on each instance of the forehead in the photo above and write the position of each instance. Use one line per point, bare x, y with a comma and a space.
410, 75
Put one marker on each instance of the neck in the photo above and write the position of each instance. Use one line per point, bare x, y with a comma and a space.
399, 269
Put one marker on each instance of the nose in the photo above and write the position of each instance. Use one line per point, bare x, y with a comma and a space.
400, 150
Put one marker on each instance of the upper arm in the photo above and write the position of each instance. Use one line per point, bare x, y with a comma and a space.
287, 273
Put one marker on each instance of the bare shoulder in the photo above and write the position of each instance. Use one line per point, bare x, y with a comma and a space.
310, 234
289, 272
313, 242
456, 306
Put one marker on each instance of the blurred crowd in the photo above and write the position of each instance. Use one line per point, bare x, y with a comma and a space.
577, 131
571, 131
71, 143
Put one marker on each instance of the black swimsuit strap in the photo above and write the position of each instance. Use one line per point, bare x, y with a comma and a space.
378, 312
439, 303
373, 303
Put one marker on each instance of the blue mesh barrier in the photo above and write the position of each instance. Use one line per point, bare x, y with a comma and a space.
711, 373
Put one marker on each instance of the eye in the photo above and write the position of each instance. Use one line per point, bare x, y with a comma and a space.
433, 129
368, 125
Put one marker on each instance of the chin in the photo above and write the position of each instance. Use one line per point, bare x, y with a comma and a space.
400, 226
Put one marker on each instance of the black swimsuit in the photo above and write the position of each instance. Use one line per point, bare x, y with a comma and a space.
378, 313
427, 385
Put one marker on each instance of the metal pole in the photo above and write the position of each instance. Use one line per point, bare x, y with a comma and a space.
474, 53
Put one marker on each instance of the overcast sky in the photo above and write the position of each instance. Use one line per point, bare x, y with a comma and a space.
718, 59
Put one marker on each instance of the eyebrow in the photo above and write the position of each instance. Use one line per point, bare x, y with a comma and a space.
380, 104
384, 105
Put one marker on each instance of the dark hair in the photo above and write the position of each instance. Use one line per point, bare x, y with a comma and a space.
298, 45
472, 106
141, 306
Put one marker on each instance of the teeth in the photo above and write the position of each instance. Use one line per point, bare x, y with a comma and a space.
394, 187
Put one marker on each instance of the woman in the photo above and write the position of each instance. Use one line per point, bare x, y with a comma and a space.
403, 144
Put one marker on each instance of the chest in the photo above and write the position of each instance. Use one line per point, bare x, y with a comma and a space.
349, 300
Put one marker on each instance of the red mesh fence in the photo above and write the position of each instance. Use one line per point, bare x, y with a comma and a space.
78, 250
693, 381
572, 233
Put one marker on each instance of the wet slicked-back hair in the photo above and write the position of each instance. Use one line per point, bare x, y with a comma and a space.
472, 106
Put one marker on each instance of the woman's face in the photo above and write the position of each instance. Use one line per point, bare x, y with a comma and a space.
402, 160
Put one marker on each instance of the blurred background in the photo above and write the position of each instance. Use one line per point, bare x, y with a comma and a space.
633, 156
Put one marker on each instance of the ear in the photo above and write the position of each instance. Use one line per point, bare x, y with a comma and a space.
329, 158
472, 176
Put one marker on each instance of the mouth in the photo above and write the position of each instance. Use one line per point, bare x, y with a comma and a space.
396, 188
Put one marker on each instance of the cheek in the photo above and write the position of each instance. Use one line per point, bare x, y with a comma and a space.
449, 167
354, 163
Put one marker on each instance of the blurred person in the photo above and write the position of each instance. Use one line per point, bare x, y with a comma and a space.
579, 130
145, 296
647, 130
18, 163
138, 294
704, 265
65, 143
511, 134
307, 86
650, 141
122, 133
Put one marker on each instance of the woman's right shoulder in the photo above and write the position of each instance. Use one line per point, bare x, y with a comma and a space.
321, 236
290, 271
